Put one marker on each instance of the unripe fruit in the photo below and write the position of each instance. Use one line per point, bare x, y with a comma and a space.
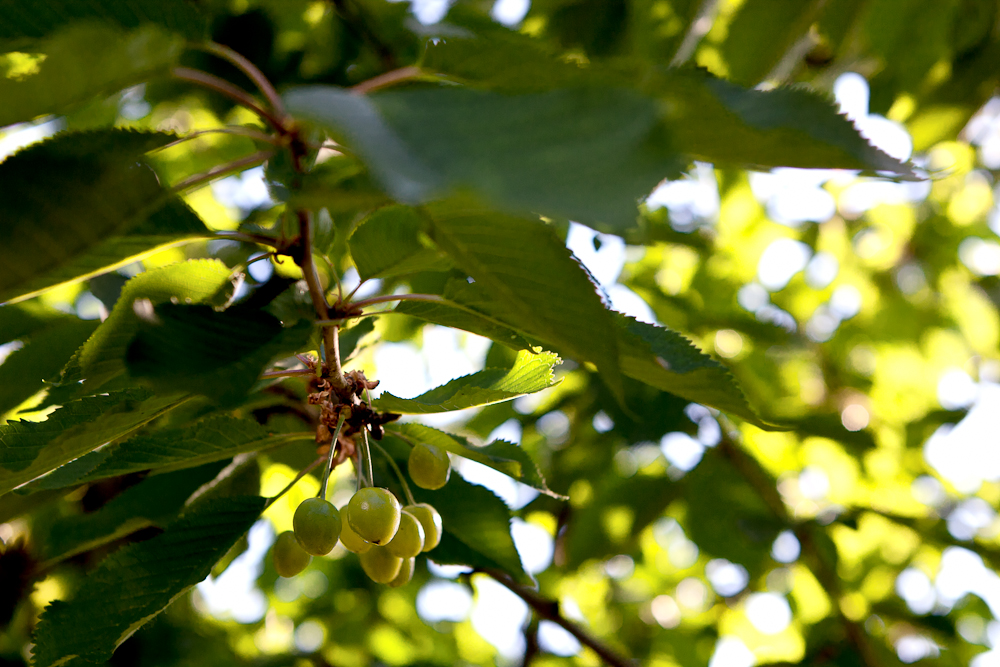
289, 557
409, 539
430, 521
429, 466
374, 514
405, 573
317, 526
380, 565
352, 541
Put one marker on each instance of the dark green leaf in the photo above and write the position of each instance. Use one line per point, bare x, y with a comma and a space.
391, 242
535, 283
500, 455
21, 19
213, 439
81, 204
668, 361
201, 350
532, 372
102, 358
152, 502
23, 320
83, 61
23, 372
726, 516
726, 124
748, 57
31, 449
586, 153
136, 583
465, 306
636, 502
476, 522
708, 118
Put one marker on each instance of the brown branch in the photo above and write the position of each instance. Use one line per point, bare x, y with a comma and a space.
285, 374
331, 339
549, 610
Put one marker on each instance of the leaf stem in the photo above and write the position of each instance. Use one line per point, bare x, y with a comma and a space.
387, 79
286, 374
222, 169
234, 93
399, 474
231, 129
397, 297
549, 610
329, 455
254, 74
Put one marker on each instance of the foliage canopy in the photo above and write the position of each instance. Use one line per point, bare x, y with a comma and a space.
703, 408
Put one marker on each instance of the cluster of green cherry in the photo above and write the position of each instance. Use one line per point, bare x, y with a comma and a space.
386, 536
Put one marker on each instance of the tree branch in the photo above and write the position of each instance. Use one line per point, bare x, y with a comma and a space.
331, 342
387, 79
549, 610
223, 169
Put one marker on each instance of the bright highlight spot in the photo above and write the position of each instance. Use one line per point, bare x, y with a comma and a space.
854, 417
768, 612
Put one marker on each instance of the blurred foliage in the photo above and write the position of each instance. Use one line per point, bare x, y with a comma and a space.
828, 454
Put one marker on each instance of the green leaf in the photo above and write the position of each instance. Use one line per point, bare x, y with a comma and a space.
720, 122
212, 439
748, 57
25, 319
726, 516
200, 350
83, 61
532, 372
102, 358
637, 502
391, 242
31, 449
476, 523
155, 501
21, 19
465, 306
668, 361
535, 282
81, 204
586, 153
500, 455
23, 372
134, 584
708, 118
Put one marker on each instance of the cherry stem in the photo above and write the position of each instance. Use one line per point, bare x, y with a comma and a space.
399, 474
254, 74
234, 93
305, 471
329, 455
259, 239
223, 169
366, 457
549, 610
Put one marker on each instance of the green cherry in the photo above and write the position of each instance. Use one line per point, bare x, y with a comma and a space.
409, 539
352, 541
380, 565
317, 526
374, 514
429, 466
430, 520
289, 557
405, 573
